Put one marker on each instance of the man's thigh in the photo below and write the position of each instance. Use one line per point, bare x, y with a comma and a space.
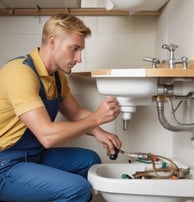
29, 181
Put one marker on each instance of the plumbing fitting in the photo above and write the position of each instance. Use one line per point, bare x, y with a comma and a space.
172, 61
128, 104
154, 61
131, 155
169, 167
135, 156
176, 87
127, 109
165, 89
171, 48
185, 61
160, 100
127, 115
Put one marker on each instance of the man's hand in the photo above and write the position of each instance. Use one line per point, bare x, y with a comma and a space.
108, 110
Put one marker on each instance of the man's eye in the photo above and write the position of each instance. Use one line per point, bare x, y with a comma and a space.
75, 48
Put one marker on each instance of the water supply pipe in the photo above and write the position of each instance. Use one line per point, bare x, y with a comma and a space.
160, 101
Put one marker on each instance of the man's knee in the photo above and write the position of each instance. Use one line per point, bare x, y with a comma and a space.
79, 192
95, 157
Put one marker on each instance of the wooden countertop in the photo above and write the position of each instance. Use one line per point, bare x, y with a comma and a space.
169, 72
162, 70
80, 74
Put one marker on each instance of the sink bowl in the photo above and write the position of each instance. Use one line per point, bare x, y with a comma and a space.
127, 86
131, 83
106, 179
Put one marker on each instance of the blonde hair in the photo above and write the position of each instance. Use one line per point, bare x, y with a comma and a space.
64, 23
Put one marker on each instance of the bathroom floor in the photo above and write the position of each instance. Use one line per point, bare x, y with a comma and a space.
97, 198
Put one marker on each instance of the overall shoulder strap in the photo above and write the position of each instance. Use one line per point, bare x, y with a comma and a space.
30, 63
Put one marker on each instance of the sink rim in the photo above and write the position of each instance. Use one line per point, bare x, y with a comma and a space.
132, 72
154, 187
146, 72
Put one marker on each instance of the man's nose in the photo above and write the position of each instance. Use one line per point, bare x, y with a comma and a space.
78, 57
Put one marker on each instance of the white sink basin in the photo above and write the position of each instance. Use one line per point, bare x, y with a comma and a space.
131, 83
106, 179
126, 86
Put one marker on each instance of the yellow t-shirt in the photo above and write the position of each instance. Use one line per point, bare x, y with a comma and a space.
19, 93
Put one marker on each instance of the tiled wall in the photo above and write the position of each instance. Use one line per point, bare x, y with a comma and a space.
176, 25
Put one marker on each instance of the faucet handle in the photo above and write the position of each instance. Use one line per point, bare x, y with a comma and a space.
154, 61
171, 47
185, 61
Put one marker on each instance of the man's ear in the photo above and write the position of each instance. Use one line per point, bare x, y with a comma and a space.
52, 41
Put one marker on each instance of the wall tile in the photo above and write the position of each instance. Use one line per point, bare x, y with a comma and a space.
14, 45
116, 25
176, 25
22, 25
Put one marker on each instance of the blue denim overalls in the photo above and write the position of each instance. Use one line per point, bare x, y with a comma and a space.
31, 173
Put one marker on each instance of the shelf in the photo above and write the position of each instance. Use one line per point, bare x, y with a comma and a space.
73, 11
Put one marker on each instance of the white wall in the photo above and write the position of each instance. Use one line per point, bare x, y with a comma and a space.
176, 25
117, 42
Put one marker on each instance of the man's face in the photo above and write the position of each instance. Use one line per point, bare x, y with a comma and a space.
67, 51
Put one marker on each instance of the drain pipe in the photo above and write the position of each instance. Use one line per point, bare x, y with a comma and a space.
160, 100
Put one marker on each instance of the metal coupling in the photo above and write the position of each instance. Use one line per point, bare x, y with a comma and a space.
166, 90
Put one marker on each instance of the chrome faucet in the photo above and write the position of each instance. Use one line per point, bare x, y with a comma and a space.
172, 61
154, 61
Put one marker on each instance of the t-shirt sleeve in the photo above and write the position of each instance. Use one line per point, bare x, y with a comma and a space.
22, 90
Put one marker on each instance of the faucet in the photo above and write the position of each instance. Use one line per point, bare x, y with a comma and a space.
154, 61
172, 61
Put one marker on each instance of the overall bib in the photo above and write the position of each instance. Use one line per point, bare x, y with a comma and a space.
31, 173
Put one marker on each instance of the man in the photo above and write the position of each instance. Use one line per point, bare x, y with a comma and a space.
32, 90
